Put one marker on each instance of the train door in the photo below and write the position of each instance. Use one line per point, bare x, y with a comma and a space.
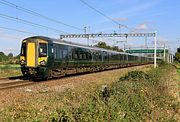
65, 58
51, 55
31, 54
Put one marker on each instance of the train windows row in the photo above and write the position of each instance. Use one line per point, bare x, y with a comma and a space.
74, 53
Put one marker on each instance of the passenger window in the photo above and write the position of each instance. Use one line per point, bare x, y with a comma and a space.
65, 54
84, 56
80, 56
70, 55
55, 53
76, 56
52, 50
89, 56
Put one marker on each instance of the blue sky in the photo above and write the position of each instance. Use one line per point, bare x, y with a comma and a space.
139, 15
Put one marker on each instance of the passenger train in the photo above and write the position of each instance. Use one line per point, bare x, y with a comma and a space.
43, 57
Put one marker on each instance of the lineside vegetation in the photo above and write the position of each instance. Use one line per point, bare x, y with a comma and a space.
137, 96
9, 70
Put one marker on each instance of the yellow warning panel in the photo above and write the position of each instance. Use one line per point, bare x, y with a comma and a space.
31, 54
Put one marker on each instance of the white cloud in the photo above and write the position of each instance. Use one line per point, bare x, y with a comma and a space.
11, 49
121, 19
129, 11
1, 31
142, 26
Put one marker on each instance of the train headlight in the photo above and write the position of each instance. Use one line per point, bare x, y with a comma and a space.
22, 62
43, 63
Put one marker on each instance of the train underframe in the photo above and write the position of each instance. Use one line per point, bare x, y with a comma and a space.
47, 73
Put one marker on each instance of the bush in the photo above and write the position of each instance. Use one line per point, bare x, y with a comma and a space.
135, 75
137, 96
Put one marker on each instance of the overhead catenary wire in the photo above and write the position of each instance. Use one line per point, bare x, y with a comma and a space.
7, 3
10, 37
21, 31
104, 15
29, 22
99, 12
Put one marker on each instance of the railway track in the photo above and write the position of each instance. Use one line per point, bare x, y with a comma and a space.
14, 82
20, 81
12, 78
1, 79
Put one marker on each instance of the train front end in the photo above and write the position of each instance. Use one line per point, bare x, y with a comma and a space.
34, 57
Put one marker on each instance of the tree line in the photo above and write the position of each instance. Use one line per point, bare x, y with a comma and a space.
105, 46
177, 55
8, 59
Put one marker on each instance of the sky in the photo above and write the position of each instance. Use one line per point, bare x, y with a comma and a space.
138, 15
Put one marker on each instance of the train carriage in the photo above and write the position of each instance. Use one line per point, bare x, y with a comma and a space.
43, 57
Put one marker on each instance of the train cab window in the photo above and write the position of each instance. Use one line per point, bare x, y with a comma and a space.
42, 50
23, 49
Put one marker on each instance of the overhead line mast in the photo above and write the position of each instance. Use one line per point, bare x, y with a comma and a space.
108, 35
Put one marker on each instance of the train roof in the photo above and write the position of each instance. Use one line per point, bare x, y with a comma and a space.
40, 37
60, 41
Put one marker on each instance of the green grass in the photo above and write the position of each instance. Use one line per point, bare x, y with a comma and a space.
137, 96
178, 70
9, 70
177, 65
10, 65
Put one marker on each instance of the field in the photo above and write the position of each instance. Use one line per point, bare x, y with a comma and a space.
9, 70
136, 94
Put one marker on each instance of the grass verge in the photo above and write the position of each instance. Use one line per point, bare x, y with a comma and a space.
178, 70
137, 96
9, 70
